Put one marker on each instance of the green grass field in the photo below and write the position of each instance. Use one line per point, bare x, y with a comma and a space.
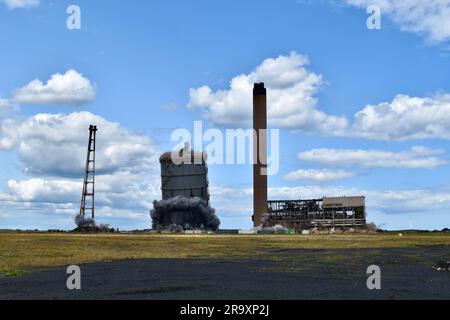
21, 253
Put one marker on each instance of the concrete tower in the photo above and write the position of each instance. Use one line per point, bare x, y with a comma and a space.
260, 153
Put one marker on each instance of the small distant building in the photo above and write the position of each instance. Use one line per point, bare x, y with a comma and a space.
329, 212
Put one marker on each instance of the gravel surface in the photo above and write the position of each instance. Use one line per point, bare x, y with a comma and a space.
288, 274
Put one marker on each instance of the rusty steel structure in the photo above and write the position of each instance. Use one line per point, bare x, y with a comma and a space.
341, 212
88, 196
260, 185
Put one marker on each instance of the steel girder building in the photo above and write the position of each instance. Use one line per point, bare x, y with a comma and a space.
341, 212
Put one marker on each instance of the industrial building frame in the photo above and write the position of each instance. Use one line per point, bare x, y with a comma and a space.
326, 213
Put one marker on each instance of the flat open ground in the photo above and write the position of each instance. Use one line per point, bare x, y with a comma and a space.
32, 266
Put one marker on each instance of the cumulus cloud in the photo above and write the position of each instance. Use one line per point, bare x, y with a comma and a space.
45, 216
416, 158
55, 144
430, 19
122, 190
70, 88
15, 4
292, 101
292, 104
319, 176
122, 199
3, 103
404, 118
7, 107
41, 190
52, 152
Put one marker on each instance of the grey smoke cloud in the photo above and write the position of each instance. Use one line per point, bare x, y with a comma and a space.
183, 213
82, 222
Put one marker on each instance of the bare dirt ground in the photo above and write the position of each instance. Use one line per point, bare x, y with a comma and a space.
407, 273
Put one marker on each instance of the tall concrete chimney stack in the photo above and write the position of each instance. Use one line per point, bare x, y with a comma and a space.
260, 153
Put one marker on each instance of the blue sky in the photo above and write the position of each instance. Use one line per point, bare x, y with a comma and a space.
140, 66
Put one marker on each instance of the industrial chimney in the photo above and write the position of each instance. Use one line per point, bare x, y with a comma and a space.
260, 153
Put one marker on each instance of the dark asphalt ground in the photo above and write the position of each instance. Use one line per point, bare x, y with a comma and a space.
288, 274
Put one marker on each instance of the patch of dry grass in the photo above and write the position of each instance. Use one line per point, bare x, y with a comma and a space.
24, 252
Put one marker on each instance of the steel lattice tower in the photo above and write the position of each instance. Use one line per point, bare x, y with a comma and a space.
88, 197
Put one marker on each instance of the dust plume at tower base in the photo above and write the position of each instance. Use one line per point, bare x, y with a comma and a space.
180, 213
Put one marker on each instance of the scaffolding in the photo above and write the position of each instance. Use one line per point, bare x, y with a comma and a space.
88, 196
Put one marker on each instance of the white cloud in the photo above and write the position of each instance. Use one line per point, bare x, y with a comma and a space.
15, 4
122, 199
45, 216
55, 144
319, 176
71, 88
416, 158
121, 190
291, 97
404, 118
231, 200
52, 150
6, 107
292, 104
4, 103
430, 18
41, 190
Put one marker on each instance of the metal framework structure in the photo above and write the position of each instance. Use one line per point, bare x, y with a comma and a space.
308, 214
88, 196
